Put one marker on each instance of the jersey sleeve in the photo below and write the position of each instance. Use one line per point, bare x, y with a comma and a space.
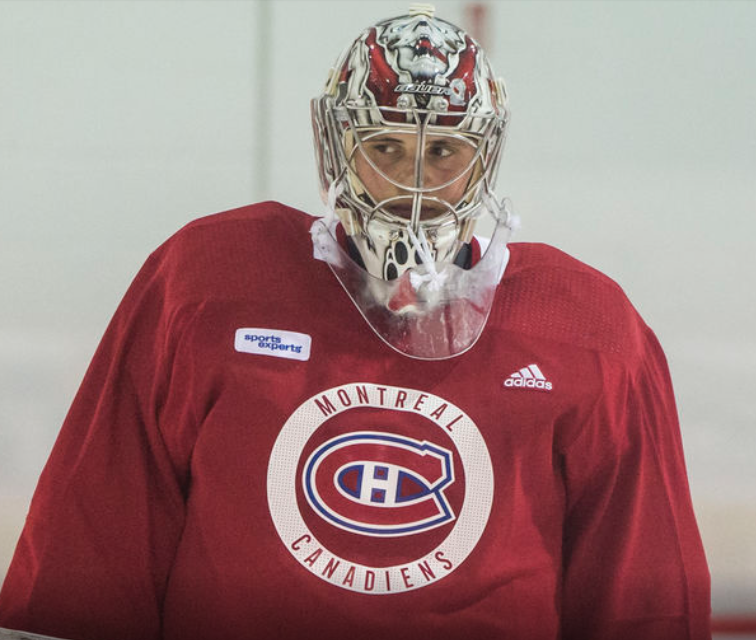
634, 566
106, 517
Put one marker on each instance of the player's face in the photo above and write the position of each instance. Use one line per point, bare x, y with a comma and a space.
387, 163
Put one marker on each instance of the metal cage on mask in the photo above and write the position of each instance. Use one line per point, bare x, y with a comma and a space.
416, 202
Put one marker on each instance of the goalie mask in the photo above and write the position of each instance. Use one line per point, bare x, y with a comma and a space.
408, 135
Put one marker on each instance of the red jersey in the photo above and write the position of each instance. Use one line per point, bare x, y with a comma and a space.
246, 459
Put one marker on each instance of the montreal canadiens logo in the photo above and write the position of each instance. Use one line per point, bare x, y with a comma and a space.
380, 484
379, 490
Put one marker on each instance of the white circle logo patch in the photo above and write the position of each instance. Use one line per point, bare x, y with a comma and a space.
379, 489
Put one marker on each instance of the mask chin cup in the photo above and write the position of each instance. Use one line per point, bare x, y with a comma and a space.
431, 313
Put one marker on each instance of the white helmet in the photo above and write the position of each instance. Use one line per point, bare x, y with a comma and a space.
408, 136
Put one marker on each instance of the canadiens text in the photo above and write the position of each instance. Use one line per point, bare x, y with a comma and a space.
373, 579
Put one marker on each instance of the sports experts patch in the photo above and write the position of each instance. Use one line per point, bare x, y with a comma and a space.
378, 489
273, 342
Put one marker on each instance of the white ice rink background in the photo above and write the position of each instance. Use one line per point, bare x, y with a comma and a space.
632, 146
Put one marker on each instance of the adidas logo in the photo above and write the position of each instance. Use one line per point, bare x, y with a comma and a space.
530, 377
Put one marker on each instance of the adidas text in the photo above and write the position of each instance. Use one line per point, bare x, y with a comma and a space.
530, 377
528, 384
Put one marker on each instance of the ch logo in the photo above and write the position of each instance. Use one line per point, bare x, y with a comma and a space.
380, 484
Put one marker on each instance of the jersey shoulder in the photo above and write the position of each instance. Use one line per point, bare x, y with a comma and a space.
251, 228
551, 295
235, 252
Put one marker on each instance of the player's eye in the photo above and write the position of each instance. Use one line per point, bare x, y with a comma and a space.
441, 150
384, 147
386, 153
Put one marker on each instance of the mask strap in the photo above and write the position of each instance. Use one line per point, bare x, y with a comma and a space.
433, 278
501, 209
334, 191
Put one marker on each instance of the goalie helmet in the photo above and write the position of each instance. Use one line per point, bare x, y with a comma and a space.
424, 83
408, 137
